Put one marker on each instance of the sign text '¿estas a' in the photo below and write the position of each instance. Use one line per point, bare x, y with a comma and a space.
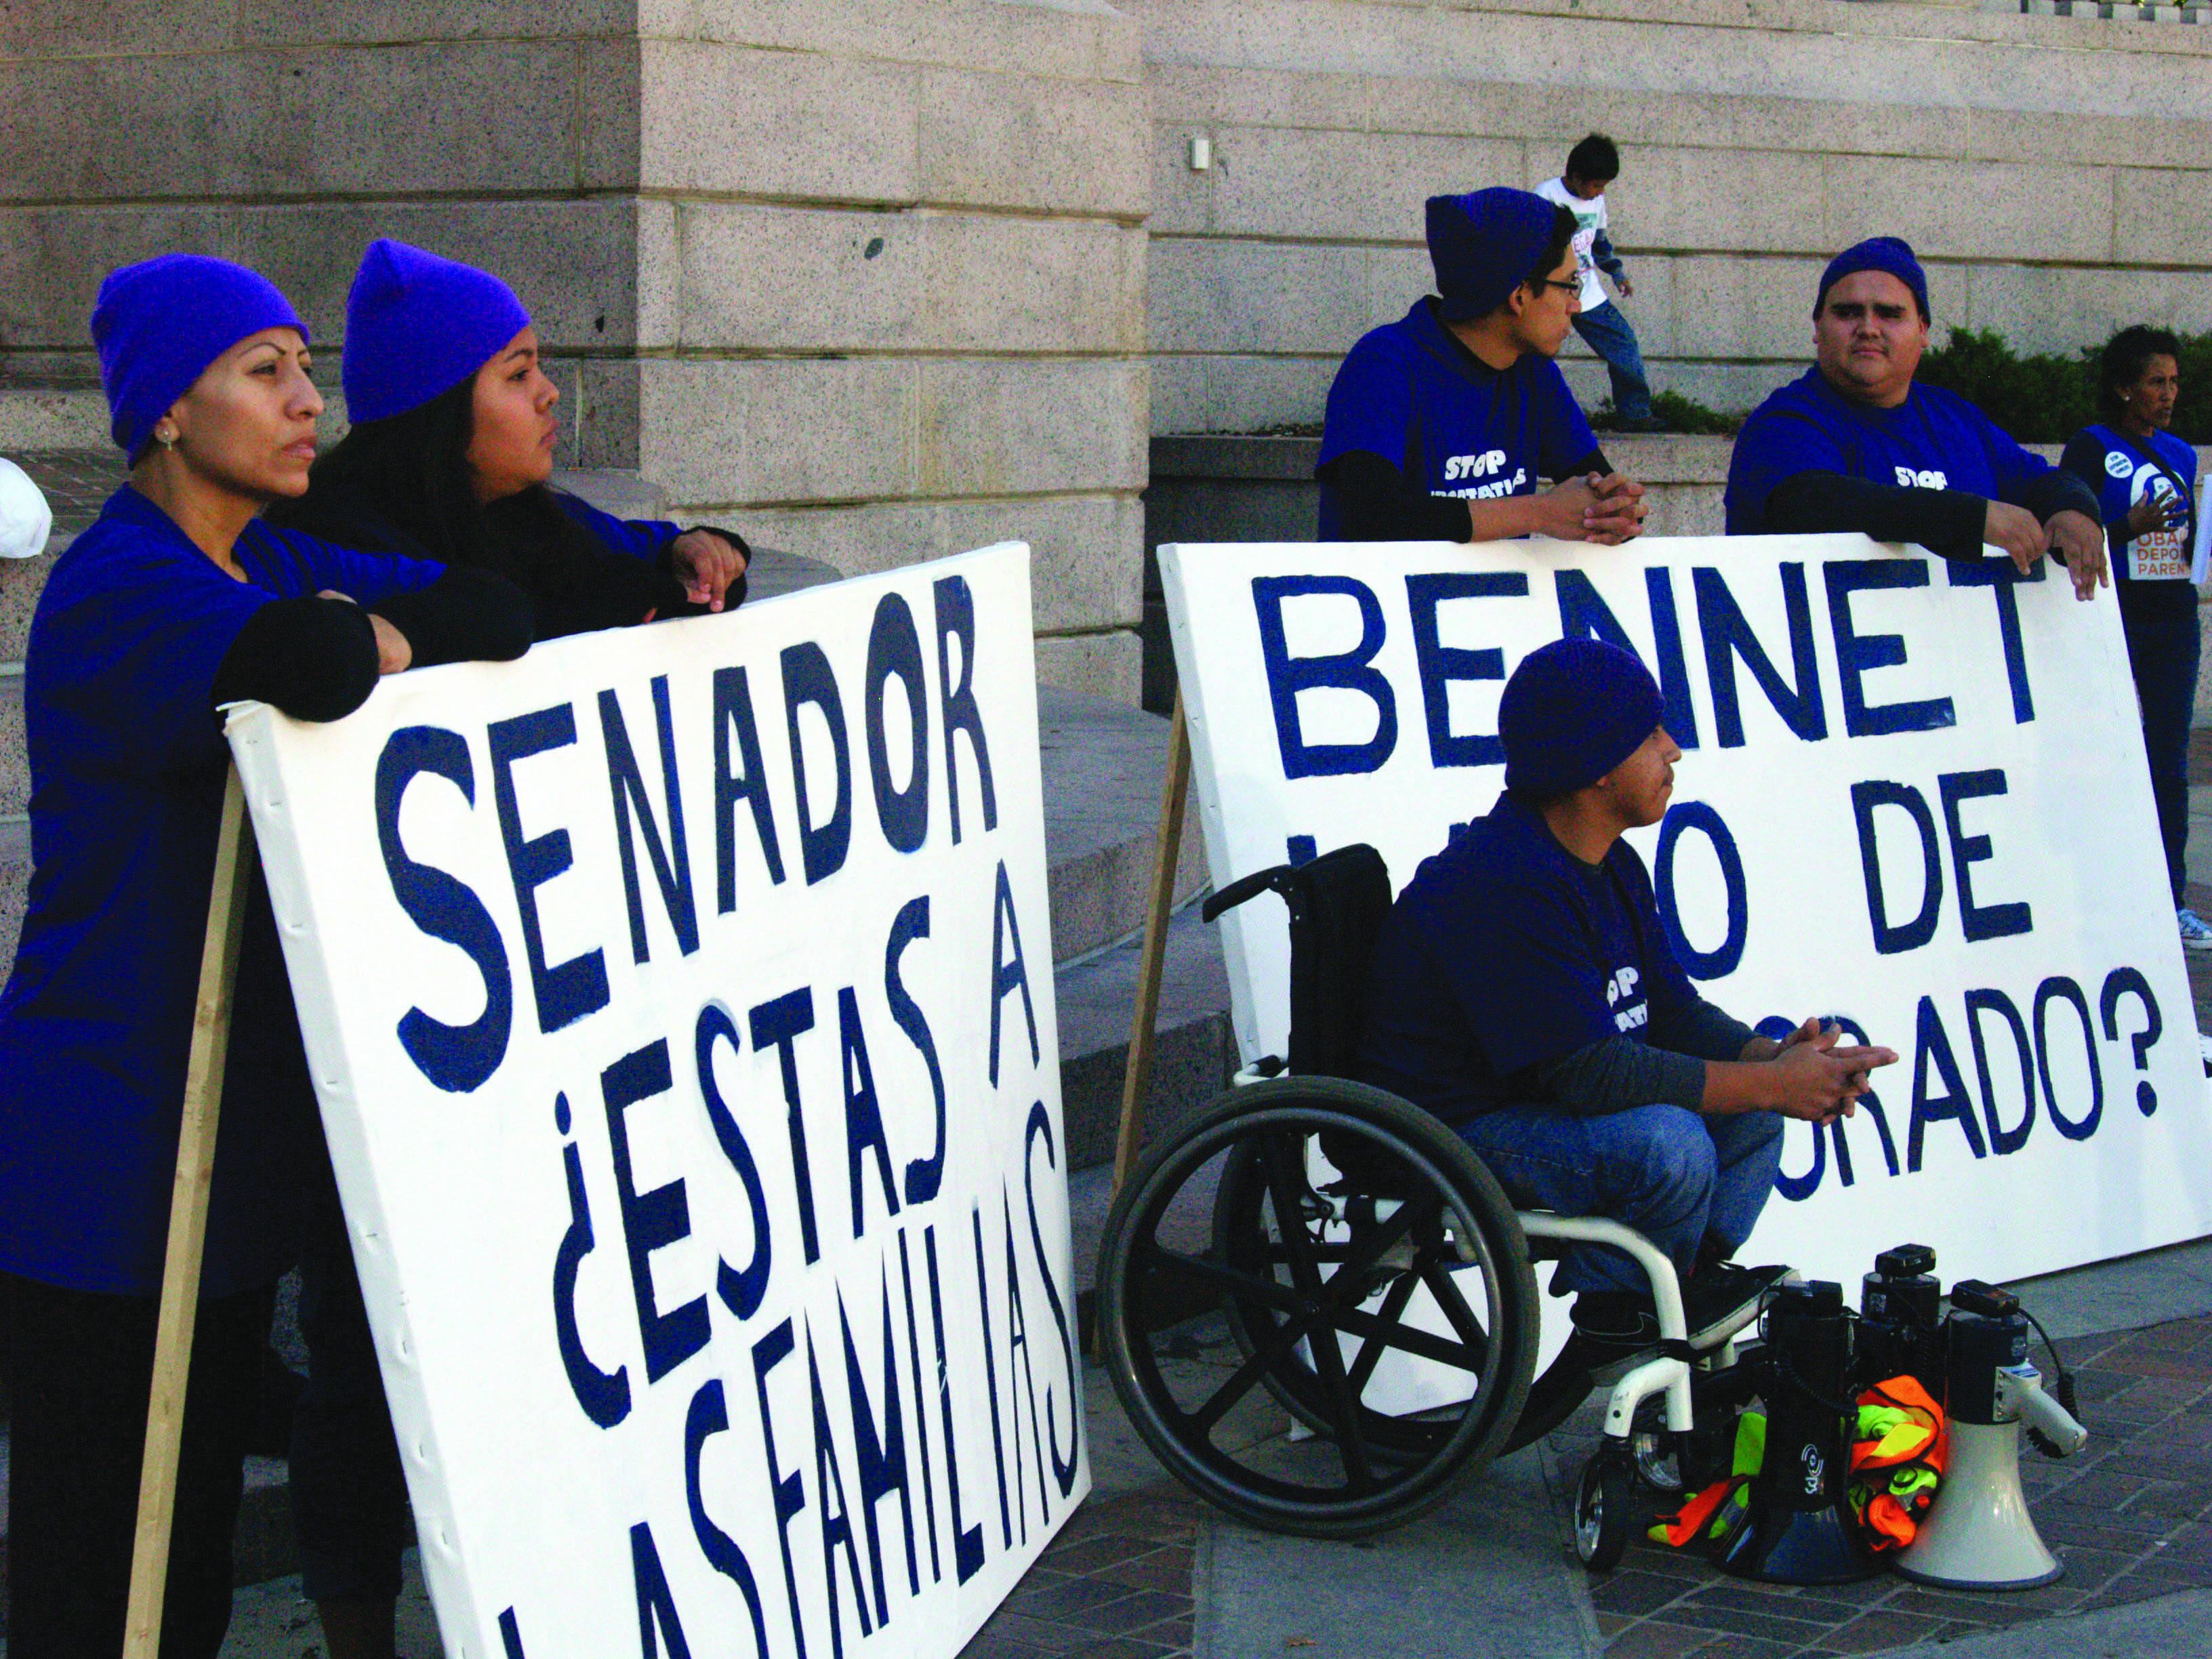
893, 1440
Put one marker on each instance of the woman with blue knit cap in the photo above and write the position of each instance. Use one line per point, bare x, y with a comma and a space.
176, 601
452, 444
1441, 425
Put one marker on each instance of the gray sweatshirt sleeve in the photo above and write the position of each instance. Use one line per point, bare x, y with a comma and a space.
1701, 1030
1616, 1072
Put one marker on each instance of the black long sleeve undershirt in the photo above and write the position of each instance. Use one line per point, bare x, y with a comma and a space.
316, 659
1375, 503
1948, 523
1617, 1073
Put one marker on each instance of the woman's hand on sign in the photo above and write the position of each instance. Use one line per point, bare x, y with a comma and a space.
706, 565
2081, 544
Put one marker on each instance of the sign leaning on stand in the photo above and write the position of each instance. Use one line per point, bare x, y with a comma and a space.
680, 1002
1912, 795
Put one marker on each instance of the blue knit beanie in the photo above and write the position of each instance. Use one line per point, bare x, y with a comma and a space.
1484, 246
157, 325
1892, 254
417, 325
1573, 710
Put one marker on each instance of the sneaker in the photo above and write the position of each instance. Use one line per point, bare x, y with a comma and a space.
1718, 1301
2195, 935
1642, 423
1722, 1298
1611, 1322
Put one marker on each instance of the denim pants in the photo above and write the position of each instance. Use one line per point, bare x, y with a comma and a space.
2160, 620
1676, 1176
1607, 333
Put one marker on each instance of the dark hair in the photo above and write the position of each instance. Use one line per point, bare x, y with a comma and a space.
2127, 355
1595, 159
410, 472
1562, 239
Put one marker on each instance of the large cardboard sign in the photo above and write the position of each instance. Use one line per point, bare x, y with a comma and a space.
680, 1002
1913, 795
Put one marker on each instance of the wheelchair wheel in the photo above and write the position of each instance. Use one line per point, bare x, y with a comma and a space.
1394, 1315
1605, 1510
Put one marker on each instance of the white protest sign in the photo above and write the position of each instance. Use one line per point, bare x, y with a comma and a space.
1913, 794
680, 1002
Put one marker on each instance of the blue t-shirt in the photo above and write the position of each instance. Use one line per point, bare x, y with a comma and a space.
2123, 470
128, 764
1505, 952
1410, 393
1934, 440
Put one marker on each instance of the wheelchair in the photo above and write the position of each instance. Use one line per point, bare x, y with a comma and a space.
1376, 1283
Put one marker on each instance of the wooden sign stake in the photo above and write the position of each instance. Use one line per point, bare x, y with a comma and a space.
188, 1207
1138, 1074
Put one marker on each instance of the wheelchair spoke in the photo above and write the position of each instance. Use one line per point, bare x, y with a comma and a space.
1358, 1322
1264, 1358
1370, 1350
1286, 1186
1445, 1289
1275, 1294
1343, 1402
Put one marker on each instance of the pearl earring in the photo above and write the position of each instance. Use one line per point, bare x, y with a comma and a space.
167, 440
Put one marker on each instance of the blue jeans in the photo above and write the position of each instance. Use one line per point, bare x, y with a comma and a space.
1607, 333
2160, 620
1677, 1177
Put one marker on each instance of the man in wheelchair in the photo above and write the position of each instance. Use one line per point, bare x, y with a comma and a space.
1524, 990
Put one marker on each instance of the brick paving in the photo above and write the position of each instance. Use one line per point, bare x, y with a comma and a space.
1115, 1585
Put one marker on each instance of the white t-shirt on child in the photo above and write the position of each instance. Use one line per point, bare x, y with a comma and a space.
1589, 220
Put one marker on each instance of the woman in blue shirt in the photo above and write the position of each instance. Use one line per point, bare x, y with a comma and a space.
452, 446
175, 601
2146, 482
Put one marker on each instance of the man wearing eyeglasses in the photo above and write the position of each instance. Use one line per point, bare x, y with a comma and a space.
1854, 444
1441, 425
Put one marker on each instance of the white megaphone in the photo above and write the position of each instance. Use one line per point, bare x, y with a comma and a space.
1979, 1534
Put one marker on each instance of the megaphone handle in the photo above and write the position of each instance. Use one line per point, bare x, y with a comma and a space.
2025, 1396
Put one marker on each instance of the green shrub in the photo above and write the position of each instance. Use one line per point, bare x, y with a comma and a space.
2046, 398
1675, 413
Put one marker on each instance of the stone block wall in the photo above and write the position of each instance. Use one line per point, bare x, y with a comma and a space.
2057, 178
864, 278
891, 275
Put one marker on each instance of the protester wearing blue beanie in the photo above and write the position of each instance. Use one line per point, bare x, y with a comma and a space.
1525, 990
178, 600
1444, 425
1573, 710
452, 449
417, 324
1892, 255
157, 324
1857, 443
1484, 245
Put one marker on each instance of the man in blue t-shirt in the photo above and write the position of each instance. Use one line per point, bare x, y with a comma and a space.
1524, 990
1853, 444
1440, 424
